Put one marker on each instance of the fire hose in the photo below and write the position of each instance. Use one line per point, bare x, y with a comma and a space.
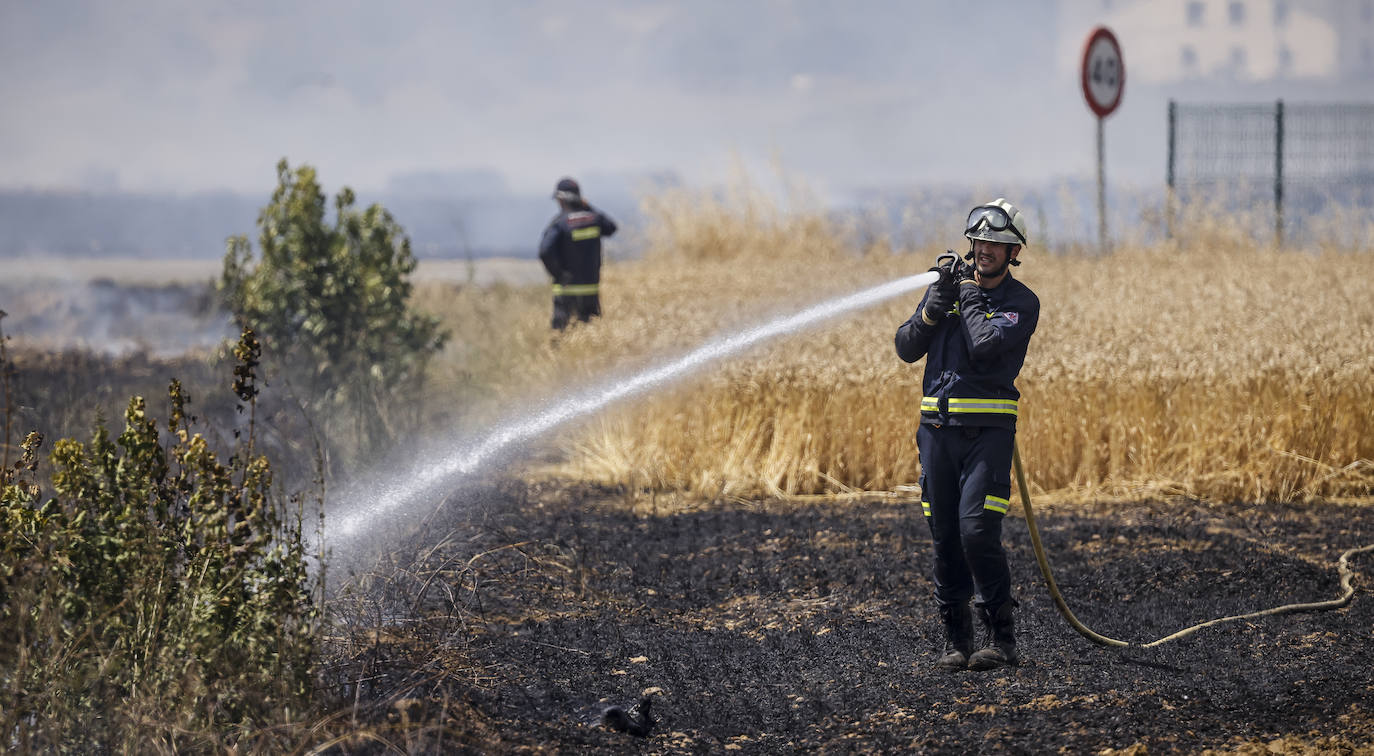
1343, 567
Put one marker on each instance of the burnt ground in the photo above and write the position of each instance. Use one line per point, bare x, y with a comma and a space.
518, 613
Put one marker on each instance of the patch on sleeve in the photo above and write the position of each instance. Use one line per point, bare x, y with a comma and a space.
1012, 317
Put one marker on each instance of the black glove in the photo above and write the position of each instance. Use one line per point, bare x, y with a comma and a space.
940, 298
971, 296
962, 270
947, 277
965, 275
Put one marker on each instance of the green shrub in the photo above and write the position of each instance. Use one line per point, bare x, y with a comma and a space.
160, 597
333, 303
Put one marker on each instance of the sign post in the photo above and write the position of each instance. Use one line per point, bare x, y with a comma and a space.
1104, 79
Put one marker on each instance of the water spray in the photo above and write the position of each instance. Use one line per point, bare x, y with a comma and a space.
445, 466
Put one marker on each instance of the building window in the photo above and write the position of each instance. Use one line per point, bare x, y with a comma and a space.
1281, 13
1195, 13
1236, 11
1237, 60
1188, 57
1367, 11
1366, 55
1285, 60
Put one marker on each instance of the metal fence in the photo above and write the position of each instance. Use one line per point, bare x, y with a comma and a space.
1296, 159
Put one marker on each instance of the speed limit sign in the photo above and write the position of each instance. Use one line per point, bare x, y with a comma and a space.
1104, 73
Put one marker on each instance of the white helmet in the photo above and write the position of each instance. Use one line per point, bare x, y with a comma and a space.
997, 221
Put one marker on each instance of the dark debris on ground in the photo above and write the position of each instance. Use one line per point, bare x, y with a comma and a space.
769, 627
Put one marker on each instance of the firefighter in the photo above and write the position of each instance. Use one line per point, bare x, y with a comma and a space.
571, 253
973, 327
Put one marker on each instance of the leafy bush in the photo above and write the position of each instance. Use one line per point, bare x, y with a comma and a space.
333, 301
160, 599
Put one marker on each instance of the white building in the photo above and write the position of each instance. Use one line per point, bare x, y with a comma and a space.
1354, 22
1166, 41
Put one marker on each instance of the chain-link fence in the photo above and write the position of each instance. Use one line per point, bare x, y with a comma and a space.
1283, 164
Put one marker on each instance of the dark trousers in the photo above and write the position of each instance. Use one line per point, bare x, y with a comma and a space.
566, 307
965, 489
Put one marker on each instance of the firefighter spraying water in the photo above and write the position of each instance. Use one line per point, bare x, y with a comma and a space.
973, 327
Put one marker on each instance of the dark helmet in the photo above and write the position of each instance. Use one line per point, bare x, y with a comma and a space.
567, 190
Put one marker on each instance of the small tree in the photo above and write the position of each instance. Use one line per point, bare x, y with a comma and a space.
334, 301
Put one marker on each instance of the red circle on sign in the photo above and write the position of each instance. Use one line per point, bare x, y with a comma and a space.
1104, 72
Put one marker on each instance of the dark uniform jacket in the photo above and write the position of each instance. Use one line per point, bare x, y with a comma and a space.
571, 249
973, 355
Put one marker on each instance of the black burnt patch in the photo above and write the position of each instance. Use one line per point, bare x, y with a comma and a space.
768, 627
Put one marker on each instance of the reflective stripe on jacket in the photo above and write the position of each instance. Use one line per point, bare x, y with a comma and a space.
973, 355
956, 405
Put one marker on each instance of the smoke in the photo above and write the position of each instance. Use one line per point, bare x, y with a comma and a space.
113, 318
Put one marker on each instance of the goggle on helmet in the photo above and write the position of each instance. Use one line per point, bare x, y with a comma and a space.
997, 221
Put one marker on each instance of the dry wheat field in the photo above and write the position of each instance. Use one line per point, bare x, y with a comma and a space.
1206, 367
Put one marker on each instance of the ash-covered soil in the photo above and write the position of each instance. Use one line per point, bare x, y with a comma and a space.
517, 614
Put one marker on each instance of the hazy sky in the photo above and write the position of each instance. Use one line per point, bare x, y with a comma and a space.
165, 95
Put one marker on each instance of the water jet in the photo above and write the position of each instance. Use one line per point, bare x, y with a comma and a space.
451, 461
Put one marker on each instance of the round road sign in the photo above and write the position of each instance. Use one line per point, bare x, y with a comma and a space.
1104, 73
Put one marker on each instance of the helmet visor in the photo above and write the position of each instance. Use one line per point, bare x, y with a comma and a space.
992, 218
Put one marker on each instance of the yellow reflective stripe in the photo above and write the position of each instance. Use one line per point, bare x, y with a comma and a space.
996, 504
925, 508
582, 234
998, 406
575, 290
978, 406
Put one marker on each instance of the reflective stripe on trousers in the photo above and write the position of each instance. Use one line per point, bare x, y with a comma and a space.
575, 290
993, 503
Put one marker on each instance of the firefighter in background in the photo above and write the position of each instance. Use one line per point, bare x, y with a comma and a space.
973, 327
571, 253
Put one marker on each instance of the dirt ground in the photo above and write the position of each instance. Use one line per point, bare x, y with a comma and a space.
518, 613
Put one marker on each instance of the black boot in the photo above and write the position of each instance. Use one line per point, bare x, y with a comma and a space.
1000, 650
958, 621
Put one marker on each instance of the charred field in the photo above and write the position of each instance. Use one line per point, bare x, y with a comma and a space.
517, 613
